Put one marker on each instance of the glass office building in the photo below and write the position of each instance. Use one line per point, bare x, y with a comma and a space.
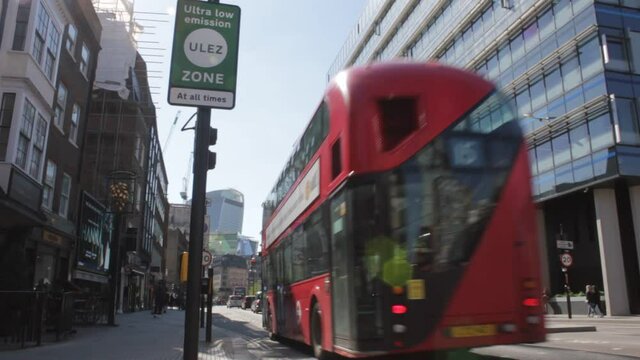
572, 70
225, 209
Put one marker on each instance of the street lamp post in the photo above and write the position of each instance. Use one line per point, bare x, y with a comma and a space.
121, 188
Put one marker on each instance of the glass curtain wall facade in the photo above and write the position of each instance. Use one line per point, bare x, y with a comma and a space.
572, 70
225, 209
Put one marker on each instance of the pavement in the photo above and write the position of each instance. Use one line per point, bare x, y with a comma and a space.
238, 334
141, 336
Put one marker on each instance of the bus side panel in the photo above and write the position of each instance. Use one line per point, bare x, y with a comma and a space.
322, 292
271, 321
306, 293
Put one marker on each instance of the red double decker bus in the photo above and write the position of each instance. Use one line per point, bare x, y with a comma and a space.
403, 222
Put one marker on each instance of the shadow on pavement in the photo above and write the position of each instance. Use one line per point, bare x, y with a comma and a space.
258, 341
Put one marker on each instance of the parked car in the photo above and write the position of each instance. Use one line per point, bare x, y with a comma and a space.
256, 305
234, 301
247, 301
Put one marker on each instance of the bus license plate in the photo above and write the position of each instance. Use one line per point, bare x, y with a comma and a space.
472, 331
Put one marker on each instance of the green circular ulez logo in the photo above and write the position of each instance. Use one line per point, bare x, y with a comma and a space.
205, 48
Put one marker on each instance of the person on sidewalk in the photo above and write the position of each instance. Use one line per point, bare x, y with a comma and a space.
593, 300
159, 297
545, 300
596, 300
587, 294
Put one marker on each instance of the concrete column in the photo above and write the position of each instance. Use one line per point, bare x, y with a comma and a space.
543, 248
615, 287
634, 195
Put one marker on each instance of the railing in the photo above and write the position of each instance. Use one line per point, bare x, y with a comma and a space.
89, 309
27, 315
59, 313
22, 314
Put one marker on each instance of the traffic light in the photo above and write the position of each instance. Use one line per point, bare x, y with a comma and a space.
184, 266
211, 156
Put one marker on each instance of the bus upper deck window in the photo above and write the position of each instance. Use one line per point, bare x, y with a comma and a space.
398, 119
336, 159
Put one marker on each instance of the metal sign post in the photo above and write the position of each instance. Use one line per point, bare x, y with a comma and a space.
204, 63
567, 290
209, 306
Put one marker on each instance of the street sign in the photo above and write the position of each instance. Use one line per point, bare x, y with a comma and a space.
206, 258
564, 244
204, 59
566, 260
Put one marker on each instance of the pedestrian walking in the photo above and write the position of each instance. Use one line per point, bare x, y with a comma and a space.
545, 300
160, 294
596, 300
587, 294
593, 302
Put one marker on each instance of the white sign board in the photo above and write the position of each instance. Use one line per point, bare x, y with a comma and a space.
564, 244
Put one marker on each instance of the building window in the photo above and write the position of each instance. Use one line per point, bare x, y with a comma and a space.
544, 156
570, 74
61, 104
616, 54
72, 36
73, 128
561, 149
84, 60
65, 193
6, 116
22, 23
579, 138
45, 42
634, 49
21, 153
49, 185
601, 132
36, 157
38, 147
28, 118
627, 121
52, 51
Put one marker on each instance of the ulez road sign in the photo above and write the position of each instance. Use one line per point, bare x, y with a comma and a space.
204, 59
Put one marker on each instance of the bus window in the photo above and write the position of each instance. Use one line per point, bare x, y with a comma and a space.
317, 252
288, 270
298, 246
336, 159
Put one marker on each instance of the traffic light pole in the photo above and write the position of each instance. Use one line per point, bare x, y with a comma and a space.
200, 167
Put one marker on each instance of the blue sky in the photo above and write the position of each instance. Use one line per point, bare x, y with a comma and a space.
286, 49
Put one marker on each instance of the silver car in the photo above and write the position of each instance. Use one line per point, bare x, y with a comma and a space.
234, 301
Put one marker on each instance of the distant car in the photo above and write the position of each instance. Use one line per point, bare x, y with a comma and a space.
234, 301
247, 301
256, 305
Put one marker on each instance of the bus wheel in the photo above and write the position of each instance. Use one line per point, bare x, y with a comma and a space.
316, 334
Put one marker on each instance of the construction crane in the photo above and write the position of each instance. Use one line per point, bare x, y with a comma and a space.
186, 178
173, 127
